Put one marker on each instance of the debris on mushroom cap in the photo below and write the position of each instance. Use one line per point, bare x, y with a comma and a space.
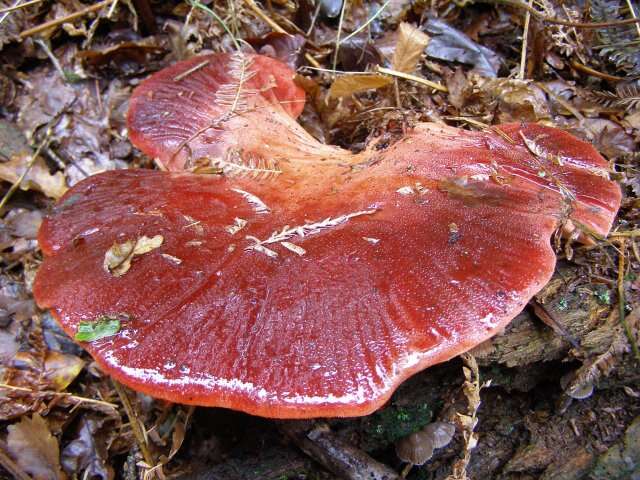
300, 313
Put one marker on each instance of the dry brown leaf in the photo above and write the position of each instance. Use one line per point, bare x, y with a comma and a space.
59, 369
350, 84
409, 46
38, 177
35, 449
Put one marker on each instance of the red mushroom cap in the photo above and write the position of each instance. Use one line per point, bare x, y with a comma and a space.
317, 288
181, 101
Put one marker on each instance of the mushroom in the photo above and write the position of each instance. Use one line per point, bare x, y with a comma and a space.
302, 280
417, 448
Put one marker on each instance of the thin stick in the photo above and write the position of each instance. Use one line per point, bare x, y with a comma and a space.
18, 7
27, 169
627, 233
413, 78
337, 47
264, 17
68, 18
75, 398
366, 24
570, 108
525, 38
313, 20
311, 60
633, 14
135, 426
594, 73
193, 69
52, 57
5, 15
622, 301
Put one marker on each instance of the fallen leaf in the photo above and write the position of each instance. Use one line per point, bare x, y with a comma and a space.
88, 451
12, 140
450, 44
117, 260
61, 369
409, 46
350, 84
283, 46
34, 448
104, 326
23, 223
38, 177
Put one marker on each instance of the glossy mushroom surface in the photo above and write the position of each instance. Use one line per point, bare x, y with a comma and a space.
316, 288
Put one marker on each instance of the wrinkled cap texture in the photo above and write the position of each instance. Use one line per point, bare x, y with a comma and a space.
300, 280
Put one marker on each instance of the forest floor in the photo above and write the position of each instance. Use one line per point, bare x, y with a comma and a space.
559, 390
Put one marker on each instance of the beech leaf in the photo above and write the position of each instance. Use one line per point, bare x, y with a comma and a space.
34, 448
350, 84
409, 46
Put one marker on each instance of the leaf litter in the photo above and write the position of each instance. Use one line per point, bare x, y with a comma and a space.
67, 86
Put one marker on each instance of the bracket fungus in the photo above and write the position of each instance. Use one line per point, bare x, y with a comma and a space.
301, 280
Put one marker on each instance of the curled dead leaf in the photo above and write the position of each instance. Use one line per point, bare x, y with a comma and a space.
117, 260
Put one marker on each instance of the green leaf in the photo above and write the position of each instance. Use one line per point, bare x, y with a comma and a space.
104, 326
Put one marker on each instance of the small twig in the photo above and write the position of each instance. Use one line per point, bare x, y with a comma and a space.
525, 38
6, 14
413, 78
627, 233
135, 425
193, 69
311, 60
633, 14
27, 169
112, 9
56, 64
549, 319
340, 22
264, 17
365, 24
67, 18
570, 108
622, 300
313, 20
75, 398
15, 7
594, 73
344, 460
